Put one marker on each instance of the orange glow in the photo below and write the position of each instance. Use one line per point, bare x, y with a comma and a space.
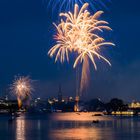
19, 102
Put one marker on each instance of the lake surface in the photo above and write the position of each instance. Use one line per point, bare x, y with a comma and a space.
69, 126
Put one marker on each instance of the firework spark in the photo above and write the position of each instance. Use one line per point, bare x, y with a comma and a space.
78, 33
22, 88
69, 4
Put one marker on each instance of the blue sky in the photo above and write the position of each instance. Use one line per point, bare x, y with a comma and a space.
26, 34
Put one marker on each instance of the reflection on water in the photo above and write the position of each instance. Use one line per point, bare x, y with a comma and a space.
73, 126
20, 129
79, 133
70, 126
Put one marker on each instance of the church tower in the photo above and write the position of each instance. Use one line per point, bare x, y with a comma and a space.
60, 94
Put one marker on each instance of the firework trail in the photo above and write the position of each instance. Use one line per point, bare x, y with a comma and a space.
22, 88
78, 33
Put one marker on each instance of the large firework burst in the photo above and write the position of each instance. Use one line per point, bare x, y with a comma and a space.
78, 32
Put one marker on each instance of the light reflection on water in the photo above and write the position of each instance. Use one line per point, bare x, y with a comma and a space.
20, 129
78, 133
70, 126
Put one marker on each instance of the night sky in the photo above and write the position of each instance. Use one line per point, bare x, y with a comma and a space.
26, 35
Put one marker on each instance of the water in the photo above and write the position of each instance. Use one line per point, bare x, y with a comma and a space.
69, 126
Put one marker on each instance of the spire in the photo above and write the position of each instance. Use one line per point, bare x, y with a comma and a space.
60, 89
60, 93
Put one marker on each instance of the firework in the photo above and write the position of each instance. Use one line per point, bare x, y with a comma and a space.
22, 88
78, 32
69, 4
